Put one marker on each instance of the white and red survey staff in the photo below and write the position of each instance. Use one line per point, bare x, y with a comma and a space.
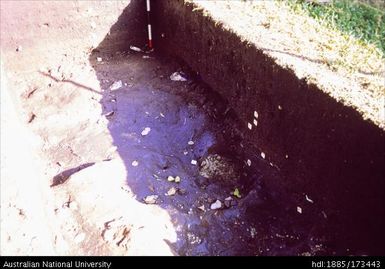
149, 25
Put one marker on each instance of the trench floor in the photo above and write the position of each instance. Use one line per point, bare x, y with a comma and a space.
181, 152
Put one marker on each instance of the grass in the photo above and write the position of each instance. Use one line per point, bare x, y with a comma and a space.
360, 20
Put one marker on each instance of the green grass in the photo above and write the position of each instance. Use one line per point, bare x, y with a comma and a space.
365, 22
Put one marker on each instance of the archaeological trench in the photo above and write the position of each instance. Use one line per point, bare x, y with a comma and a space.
104, 154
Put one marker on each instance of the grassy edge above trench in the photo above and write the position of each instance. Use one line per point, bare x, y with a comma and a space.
363, 21
349, 70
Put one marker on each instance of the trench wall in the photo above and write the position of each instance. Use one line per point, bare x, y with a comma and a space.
322, 148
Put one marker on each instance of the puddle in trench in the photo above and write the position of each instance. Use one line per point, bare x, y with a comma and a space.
168, 131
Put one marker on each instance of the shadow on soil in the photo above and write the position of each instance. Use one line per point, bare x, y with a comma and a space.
153, 120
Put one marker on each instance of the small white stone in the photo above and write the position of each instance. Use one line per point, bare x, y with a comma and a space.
255, 122
99, 59
194, 162
263, 155
249, 125
216, 205
185, 152
151, 199
299, 210
324, 214
308, 199
229, 198
190, 143
161, 114
171, 192
146, 131
135, 48
177, 76
135, 163
256, 114
287, 156
248, 162
202, 208
279, 107
253, 232
116, 85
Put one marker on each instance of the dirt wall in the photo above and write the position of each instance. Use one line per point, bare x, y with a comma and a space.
324, 149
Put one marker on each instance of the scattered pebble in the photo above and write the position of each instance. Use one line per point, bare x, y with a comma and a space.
287, 156
216, 205
146, 131
161, 114
170, 179
229, 198
263, 155
109, 114
256, 114
248, 162
135, 49
299, 210
253, 232
190, 143
172, 191
324, 214
185, 152
151, 199
279, 107
146, 57
308, 199
249, 126
255, 122
177, 76
99, 59
116, 85
135, 163
194, 162
177, 179
202, 208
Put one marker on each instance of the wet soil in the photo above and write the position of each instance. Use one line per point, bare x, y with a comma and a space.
177, 113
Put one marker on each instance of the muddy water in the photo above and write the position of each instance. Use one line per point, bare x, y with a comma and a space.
165, 129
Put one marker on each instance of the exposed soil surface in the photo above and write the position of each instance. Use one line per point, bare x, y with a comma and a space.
134, 163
